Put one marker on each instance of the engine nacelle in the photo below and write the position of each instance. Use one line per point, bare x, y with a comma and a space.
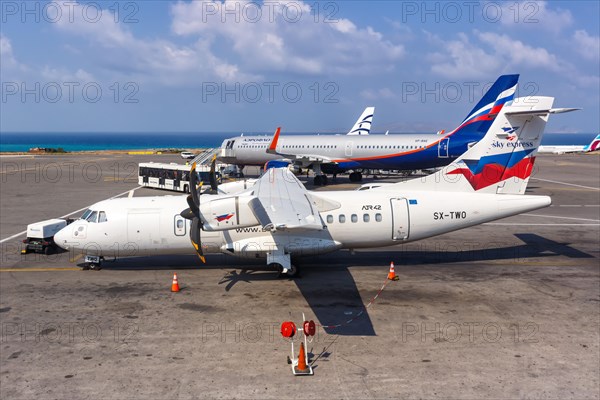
227, 213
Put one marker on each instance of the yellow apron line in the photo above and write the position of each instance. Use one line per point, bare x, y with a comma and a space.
38, 269
76, 258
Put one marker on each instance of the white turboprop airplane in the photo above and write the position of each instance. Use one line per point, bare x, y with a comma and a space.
277, 219
593, 146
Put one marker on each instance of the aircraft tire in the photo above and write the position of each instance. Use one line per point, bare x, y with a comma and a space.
293, 272
94, 267
277, 267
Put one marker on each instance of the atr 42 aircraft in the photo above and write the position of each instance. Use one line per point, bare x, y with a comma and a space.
277, 219
335, 153
593, 146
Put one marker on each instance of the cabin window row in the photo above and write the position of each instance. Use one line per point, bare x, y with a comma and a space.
390, 147
353, 218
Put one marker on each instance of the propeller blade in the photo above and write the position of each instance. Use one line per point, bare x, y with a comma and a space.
212, 175
194, 185
188, 214
193, 207
195, 238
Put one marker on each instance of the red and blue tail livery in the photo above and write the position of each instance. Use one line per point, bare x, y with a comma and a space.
490, 170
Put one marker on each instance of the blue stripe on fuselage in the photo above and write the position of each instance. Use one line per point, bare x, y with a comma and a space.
422, 159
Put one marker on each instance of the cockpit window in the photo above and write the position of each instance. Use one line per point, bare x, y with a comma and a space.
92, 217
86, 214
102, 217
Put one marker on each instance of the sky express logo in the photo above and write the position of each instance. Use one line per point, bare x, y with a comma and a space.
515, 145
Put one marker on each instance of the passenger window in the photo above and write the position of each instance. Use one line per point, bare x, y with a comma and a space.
378, 217
92, 217
354, 218
342, 218
179, 224
102, 217
330, 219
366, 217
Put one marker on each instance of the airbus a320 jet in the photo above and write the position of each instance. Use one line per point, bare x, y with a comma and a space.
332, 154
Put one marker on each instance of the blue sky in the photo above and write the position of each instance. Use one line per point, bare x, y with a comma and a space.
240, 66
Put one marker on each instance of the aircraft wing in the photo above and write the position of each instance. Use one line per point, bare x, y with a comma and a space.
282, 202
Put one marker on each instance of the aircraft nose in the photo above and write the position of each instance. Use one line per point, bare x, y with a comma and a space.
61, 238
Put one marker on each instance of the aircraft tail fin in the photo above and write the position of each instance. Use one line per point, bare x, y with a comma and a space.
502, 161
363, 123
481, 117
594, 145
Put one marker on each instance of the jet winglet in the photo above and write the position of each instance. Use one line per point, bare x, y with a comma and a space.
273, 145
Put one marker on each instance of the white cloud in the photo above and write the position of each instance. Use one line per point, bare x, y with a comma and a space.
156, 59
277, 41
8, 61
516, 53
490, 54
535, 15
463, 59
586, 45
63, 75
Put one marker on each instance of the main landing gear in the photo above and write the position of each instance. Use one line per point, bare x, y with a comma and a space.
355, 177
281, 262
320, 180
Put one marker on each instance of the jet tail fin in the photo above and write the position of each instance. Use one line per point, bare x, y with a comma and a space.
594, 145
363, 123
502, 161
482, 116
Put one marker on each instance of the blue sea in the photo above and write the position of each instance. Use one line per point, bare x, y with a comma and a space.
22, 142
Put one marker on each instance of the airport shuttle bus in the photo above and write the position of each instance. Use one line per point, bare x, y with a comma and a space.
171, 176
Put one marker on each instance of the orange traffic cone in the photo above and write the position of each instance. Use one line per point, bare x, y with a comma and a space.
302, 367
392, 274
175, 284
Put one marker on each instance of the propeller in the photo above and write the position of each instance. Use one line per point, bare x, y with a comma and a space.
212, 177
193, 212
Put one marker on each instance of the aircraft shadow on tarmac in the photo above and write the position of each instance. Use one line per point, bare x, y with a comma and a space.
327, 284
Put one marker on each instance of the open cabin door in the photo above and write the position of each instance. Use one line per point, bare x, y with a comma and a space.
400, 219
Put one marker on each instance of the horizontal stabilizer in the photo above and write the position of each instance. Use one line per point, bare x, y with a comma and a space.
541, 112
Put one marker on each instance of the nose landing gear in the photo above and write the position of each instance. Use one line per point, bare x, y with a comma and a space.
92, 263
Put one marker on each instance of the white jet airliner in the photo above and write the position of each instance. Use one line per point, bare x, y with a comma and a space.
277, 219
331, 154
593, 146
